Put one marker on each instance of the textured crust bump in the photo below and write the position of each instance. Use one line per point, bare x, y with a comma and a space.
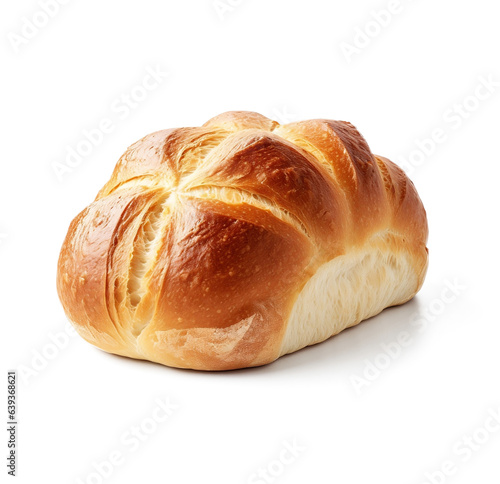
229, 245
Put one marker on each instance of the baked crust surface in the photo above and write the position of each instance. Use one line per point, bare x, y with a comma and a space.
228, 245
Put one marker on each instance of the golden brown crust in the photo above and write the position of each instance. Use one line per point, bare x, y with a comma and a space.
195, 252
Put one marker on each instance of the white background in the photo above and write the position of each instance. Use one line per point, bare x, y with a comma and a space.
286, 59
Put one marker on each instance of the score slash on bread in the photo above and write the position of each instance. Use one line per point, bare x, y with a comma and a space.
231, 244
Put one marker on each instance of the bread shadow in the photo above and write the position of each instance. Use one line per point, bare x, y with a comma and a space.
354, 344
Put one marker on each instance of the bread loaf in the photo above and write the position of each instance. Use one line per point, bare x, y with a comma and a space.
231, 244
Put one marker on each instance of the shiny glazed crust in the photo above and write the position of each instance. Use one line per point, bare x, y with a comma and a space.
228, 245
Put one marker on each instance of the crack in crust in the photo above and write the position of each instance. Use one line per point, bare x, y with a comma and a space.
238, 196
144, 256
